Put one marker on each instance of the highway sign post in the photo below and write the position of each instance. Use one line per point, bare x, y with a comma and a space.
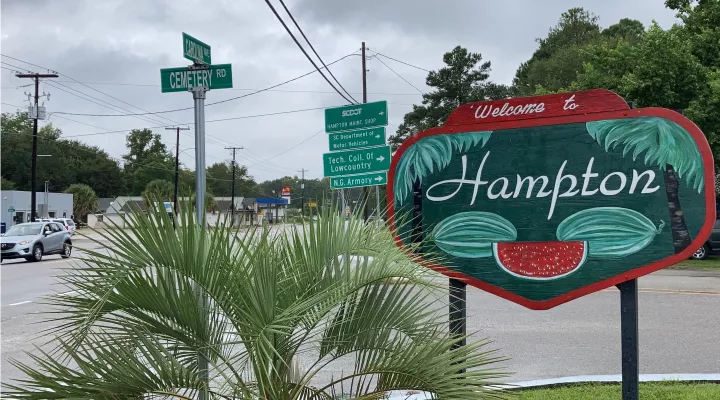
198, 79
195, 50
184, 79
356, 161
501, 209
356, 116
353, 181
357, 139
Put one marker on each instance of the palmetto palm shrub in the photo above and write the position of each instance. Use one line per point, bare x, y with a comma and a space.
271, 313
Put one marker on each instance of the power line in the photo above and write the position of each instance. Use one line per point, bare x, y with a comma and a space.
400, 76
313, 49
190, 108
305, 52
401, 62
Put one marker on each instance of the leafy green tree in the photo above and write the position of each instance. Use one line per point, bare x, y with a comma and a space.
219, 180
464, 79
701, 21
210, 202
130, 331
69, 162
6, 184
627, 29
158, 190
147, 159
559, 56
85, 200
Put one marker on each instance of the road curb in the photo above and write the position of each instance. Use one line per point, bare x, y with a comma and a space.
688, 272
572, 380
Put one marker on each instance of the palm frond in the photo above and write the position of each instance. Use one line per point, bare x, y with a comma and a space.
430, 154
663, 142
255, 305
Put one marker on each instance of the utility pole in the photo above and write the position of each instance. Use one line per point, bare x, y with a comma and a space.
366, 191
302, 192
33, 162
177, 130
232, 191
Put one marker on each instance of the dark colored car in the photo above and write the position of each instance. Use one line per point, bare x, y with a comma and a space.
711, 246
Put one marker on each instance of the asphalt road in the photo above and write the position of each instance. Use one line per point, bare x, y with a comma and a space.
679, 325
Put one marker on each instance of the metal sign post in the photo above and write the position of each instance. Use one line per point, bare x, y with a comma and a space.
629, 339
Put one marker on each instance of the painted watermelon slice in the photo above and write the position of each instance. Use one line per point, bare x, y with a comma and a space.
540, 260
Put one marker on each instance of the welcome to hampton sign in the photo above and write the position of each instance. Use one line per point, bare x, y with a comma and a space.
544, 199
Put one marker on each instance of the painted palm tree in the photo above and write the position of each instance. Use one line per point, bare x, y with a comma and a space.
664, 144
428, 155
254, 307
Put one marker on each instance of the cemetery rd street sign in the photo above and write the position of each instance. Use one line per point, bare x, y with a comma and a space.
357, 161
352, 181
357, 139
195, 50
356, 116
184, 78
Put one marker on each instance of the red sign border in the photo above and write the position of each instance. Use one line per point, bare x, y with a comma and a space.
709, 178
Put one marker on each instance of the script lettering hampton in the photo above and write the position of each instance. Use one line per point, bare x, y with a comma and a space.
501, 188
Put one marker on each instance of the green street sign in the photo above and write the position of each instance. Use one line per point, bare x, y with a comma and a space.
353, 181
357, 161
195, 50
11, 209
356, 116
183, 79
357, 139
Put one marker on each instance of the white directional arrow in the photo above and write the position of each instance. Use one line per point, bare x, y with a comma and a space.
379, 178
382, 113
380, 158
377, 136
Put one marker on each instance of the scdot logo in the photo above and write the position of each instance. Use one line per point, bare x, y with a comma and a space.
350, 113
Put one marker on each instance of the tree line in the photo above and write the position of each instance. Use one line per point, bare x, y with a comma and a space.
676, 68
146, 169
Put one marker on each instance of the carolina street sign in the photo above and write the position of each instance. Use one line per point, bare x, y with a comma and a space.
356, 116
352, 181
183, 79
357, 139
357, 161
195, 50
631, 192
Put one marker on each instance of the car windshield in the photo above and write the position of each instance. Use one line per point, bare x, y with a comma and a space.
59, 220
24, 230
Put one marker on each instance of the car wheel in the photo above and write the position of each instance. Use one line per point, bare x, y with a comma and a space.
67, 250
37, 253
701, 253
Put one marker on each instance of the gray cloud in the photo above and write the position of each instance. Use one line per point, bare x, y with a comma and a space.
114, 41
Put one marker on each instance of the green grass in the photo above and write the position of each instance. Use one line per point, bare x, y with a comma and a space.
648, 391
712, 263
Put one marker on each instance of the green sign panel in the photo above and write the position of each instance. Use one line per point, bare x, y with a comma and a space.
542, 214
357, 139
183, 79
195, 50
11, 209
356, 116
357, 161
352, 181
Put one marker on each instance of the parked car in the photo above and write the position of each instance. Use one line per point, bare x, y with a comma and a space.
33, 240
711, 246
67, 223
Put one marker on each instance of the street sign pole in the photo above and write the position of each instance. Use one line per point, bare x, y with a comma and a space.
199, 100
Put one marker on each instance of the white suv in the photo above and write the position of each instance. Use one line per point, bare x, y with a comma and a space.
67, 223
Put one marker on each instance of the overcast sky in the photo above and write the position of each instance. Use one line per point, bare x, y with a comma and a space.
118, 47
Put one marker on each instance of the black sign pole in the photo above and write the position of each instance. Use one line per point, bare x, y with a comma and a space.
458, 289
629, 339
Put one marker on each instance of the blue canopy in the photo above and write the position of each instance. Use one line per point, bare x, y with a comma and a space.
271, 200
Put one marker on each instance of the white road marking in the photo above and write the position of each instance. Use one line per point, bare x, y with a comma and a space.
20, 302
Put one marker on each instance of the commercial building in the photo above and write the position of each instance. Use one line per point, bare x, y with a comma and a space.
16, 206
